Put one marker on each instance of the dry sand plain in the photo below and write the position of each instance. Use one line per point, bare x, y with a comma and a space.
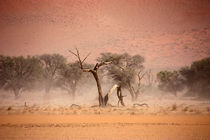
113, 123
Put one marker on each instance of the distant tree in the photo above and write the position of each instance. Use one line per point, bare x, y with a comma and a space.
52, 63
19, 73
170, 81
149, 82
197, 78
69, 77
188, 76
125, 70
149, 79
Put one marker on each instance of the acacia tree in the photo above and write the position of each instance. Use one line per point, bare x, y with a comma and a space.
196, 78
149, 79
52, 63
94, 72
125, 70
19, 73
69, 77
170, 81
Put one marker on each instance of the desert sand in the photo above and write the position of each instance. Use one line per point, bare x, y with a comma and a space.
149, 118
113, 123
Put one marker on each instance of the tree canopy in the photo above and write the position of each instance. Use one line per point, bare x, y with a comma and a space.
69, 77
197, 78
170, 81
51, 63
19, 73
124, 70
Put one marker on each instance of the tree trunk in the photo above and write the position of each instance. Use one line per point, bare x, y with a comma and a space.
100, 98
136, 95
48, 87
120, 96
73, 92
137, 92
106, 98
133, 97
16, 92
46, 96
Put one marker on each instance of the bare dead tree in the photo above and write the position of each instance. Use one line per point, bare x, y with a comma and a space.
136, 91
94, 71
150, 79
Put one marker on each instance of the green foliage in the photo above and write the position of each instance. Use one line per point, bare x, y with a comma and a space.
170, 81
19, 73
123, 77
202, 69
188, 75
124, 68
50, 70
51, 63
197, 78
69, 75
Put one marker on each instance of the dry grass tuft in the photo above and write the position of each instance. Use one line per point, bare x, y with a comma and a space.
185, 109
9, 108
174, 107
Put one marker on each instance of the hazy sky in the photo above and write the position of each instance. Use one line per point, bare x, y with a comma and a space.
168, 33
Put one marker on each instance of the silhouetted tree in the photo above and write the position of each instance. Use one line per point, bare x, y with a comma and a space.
170, 81
197, 78
52, 63
94, 72
125, 70
19, 73
69, 77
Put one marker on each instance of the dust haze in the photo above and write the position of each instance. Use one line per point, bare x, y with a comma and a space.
58, 56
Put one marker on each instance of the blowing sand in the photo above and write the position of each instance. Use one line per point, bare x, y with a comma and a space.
64, 120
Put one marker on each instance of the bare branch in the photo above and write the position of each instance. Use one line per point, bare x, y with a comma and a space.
104, 63
86, 70
78, 56
101, 64
144, 104
133, 89
79, 59
86, 57
73, 53
120, 67
141, 76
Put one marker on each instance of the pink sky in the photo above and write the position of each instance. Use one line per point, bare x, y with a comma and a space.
168, 33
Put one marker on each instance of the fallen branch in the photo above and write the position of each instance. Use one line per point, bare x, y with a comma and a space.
144, 104
75, 105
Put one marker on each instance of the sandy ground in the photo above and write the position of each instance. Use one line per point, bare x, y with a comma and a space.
113, 123
101, 127
156, 120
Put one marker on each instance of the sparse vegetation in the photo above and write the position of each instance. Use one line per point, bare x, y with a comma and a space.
126, 71
174, 107
94, 71
51, 64
19, 73
69, 76
170, 81
195, 78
